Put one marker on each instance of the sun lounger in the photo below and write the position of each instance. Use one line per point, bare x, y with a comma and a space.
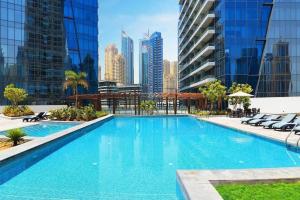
287, 124
286, 119
257, 122
248, 119
36, 118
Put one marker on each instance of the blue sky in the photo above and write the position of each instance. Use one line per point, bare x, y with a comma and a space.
135, 17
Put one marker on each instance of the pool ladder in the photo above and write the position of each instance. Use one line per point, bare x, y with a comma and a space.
289, 135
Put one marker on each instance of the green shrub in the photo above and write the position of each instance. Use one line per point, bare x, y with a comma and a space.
89, 113
86, 113
15, 136
13, 111
101, 114
209, 113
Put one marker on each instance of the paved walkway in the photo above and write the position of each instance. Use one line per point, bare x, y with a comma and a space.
6, 124
235, 123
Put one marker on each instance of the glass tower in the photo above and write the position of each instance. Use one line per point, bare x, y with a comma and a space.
244, 41
144, 63
39, 41
155, 68
127, 52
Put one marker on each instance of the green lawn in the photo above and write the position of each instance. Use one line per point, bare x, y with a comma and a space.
275, 191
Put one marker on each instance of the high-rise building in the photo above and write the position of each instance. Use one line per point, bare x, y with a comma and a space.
127, 52
144, 63
170, 77
114, 65
120, 69
237, 41
111, 52
39, 40
155, 68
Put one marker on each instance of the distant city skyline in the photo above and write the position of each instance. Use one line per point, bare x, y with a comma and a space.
136, 18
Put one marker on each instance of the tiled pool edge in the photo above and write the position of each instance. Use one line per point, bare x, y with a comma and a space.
31, 152
200, 184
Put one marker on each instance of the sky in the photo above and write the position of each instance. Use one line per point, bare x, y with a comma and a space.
136, 17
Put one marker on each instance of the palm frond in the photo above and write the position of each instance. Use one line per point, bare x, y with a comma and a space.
69, 83
83, 83
70, 74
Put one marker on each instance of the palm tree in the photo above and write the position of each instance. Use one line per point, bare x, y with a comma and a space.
74, 80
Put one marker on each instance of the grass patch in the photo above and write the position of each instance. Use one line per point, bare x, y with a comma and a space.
274, 191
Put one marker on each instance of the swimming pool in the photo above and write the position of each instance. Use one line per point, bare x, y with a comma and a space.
45, 128
137, 158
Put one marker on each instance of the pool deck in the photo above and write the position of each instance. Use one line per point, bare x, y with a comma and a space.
200, 184
235, 123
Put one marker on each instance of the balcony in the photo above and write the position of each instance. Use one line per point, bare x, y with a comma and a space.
204, 38
203, 67
182, 24
204, 9
199, 83
208, 18
206, 51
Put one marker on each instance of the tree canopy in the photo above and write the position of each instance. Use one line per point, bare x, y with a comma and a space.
214, 91
15, 95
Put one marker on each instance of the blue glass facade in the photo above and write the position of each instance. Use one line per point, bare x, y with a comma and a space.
241, 28
280, 66
254, 41
81, 27
144, 64
127, 52
39, 40
155, 69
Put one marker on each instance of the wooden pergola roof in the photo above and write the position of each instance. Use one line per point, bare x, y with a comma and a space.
121, 95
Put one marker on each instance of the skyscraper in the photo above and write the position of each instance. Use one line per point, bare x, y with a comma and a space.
144, 63
127, 52
111, 52
235, 41
81, 25
114, 65
170, 77
155, 68
120, 69
41, 39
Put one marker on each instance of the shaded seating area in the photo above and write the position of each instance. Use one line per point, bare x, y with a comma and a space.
238, 113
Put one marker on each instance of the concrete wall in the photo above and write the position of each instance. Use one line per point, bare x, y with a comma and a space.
41, 108
277, 105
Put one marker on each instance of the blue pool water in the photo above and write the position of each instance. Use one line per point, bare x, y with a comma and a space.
44, 128
136, 158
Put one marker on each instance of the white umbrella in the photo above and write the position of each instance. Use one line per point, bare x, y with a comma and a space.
240, 94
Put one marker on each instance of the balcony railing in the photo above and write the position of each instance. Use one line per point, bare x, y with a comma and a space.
209, 46
205, 34
204, 66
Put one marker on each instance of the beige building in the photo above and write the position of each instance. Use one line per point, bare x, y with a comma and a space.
170, 77
120, 69
114, 65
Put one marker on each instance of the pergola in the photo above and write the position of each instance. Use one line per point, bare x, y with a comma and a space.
135, 98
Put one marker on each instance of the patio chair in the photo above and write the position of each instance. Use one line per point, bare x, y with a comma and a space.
286, 119
257, 122
286, 125
248, 119
38, 117
297, 129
